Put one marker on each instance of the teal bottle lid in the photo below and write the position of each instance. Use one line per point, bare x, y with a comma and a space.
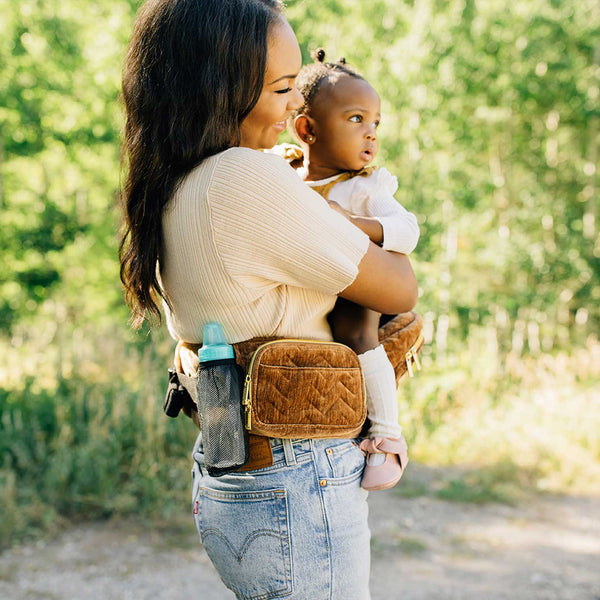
214, 346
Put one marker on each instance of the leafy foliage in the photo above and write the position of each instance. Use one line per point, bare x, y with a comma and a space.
59, 134
492, 124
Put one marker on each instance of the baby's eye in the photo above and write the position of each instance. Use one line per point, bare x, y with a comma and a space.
285, 91
376, 123
356, 118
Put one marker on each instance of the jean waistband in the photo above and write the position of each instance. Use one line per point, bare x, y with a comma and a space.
290, 451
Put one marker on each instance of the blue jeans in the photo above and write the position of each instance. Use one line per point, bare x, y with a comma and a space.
296, 530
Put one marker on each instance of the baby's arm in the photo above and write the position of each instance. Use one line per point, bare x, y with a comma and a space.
399, 227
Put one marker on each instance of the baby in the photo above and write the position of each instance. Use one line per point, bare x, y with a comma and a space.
337, 129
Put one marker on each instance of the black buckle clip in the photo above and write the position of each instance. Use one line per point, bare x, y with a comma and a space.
176, 396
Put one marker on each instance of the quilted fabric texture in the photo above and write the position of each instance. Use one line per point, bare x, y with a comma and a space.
398, 336
303, 388
307, 389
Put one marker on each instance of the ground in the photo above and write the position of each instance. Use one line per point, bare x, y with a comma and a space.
543, 548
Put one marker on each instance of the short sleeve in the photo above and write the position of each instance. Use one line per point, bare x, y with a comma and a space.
270, 227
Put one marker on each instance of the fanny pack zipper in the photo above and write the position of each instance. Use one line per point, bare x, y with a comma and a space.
412, 355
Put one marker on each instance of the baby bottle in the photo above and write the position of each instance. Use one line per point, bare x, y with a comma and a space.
224, 437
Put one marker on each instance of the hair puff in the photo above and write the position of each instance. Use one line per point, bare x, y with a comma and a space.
312, 76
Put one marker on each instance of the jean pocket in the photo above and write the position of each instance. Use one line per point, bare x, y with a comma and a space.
246, 536
345, 459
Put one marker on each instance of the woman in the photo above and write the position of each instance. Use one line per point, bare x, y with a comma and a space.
238, 238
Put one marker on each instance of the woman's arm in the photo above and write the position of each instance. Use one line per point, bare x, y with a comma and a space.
385, 282
309, 245
368, 225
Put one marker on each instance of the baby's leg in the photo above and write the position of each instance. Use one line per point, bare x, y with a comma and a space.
354, 326
357, 327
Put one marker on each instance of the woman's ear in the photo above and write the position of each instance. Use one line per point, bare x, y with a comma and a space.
303, 126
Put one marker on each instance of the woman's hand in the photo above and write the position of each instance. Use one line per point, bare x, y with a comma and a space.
369, 225
385, 282
335, 206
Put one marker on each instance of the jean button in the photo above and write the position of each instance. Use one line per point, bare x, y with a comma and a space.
323, 483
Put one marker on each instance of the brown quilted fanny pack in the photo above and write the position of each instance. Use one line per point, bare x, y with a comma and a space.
304, 388
402, 338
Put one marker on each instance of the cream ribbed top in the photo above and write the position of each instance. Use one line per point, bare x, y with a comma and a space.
248, 244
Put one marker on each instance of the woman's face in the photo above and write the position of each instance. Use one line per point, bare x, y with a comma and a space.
279, 97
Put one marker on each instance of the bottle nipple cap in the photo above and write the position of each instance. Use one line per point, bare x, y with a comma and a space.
214, 346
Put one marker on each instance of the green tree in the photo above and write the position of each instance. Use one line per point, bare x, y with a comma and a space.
59, 132
491, 124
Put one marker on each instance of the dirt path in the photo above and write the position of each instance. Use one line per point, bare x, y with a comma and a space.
423, 548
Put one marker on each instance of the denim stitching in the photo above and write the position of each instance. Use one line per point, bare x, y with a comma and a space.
284, 536
325, 520
249, 539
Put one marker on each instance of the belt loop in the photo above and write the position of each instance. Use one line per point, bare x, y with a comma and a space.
288, 451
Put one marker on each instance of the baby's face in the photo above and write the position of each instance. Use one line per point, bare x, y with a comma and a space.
346, 115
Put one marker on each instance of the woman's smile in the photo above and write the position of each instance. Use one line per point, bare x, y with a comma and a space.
281, 126
279, 97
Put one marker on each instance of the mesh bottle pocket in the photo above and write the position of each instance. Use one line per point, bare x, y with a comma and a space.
224, 437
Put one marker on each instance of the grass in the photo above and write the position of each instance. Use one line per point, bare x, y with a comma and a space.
503, 482
394, 543
534, 425
93, 443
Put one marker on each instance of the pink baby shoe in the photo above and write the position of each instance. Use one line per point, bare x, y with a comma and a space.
386, 460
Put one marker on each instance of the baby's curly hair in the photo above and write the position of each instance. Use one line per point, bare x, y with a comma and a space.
311, 77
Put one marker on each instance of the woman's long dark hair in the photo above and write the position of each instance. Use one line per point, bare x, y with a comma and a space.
194, 70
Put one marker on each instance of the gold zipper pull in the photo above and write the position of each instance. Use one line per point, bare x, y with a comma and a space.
247, 402
416, 358
409, 358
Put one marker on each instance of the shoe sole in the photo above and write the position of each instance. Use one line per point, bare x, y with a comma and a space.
383, 486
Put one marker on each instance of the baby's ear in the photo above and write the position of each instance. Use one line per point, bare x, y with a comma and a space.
304, 129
